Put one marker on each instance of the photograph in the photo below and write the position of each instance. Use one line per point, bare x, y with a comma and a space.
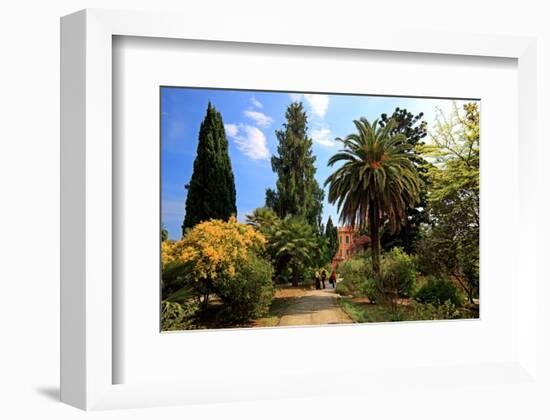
282, 208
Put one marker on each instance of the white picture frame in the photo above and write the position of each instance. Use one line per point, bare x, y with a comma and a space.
86, 204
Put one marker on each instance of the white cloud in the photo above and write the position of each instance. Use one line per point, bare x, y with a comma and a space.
256, 103
259, 118
323, 136
317, 102
231, 130
250, 140
295, 96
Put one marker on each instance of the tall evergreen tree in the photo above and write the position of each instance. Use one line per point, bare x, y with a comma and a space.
211, 192
331, 233
297, 192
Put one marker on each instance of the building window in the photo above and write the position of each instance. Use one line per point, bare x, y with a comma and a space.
339, 237
347, 251
347, 239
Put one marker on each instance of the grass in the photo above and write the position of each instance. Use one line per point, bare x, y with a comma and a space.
365, 312
360, 312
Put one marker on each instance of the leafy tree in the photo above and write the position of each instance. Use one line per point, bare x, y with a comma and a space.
211, 191
297, 192
376, 182
415, 129
331, 234
451, 246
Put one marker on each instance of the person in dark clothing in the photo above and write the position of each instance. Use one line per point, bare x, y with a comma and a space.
333, 280
323, 278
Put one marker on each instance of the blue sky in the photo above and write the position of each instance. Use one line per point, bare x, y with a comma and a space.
250, 119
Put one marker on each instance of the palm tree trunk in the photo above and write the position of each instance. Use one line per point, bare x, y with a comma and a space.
294, 279
374, 227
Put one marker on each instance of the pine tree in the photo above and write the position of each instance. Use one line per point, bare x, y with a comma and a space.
211, 192
297, 192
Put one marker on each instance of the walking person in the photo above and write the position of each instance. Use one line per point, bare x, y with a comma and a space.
333, 279
323, 277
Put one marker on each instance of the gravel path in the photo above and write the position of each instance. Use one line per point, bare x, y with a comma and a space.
315, 307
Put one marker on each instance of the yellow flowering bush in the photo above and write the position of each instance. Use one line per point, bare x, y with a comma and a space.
222, 258
215, 248
167, 252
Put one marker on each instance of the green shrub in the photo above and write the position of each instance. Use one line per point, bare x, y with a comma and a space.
367, 288
356, 267
437, 291
357, 278
428, 311
249, 294
398, 273
178, 316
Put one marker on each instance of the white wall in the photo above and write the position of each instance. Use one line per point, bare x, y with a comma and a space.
29, 174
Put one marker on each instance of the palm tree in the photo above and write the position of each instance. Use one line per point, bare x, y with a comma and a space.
376, 182
264, 219
295, 246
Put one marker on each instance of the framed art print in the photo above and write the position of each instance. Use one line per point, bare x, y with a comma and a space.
264, 221
253, 209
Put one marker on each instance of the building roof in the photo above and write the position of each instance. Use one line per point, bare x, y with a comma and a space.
347, 229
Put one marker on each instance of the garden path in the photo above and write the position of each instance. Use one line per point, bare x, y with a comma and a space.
315, 307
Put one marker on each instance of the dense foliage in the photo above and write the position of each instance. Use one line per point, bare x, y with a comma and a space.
357, 279
398, 274
211, 192
398, 278
437, 291
248, 294
451, 243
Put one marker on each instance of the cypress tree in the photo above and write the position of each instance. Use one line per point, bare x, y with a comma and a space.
297, 192
331, 233
211, 191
